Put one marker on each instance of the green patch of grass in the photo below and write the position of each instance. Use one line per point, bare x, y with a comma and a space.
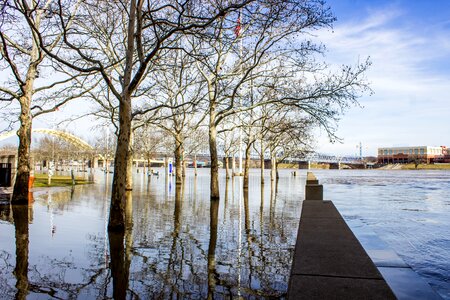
41, 180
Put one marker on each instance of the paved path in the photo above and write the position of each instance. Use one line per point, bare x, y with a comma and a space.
329, 262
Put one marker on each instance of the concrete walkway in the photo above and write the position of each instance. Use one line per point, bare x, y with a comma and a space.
329, 262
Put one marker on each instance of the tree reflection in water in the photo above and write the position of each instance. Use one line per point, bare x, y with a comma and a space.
120, 244
178, 244
21, 220
212, 274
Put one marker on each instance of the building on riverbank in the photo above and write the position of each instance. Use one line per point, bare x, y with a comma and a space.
400, 155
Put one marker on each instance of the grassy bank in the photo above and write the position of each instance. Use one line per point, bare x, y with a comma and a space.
41, 180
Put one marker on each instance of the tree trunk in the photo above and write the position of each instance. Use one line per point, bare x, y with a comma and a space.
276, 169
273, 168
121, 167
261, 159
247, 164
122, 158
214, 184
20, 192
129, 185
178, 153
195, 164
21, 189
233, 165
227, 166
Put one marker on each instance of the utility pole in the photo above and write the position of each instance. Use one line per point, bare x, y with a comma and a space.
242, 73
360, 151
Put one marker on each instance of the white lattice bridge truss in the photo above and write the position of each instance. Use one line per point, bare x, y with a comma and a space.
74, 140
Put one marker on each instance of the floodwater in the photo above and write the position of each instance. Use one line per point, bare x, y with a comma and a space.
179, 244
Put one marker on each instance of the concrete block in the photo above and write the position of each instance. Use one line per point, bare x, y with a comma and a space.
313, 192
311, 178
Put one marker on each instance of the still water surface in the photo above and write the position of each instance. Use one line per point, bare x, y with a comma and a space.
179, 244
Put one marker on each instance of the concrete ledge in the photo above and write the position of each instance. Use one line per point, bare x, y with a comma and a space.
320, 287
329, 262
311, 178
404, 282
407, 285
313, 192
326, 210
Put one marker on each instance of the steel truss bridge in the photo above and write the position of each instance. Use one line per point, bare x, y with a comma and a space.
326, 158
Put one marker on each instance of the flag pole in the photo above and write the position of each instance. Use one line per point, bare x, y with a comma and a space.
241, 46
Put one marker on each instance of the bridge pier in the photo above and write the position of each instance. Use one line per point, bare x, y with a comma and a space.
304, 165
267, 164
335, 166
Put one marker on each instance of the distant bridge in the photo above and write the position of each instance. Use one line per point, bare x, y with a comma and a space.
326, 158
311, 157
74, 140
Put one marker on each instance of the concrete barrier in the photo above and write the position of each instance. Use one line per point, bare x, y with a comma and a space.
329, 262
311, 178
313, 190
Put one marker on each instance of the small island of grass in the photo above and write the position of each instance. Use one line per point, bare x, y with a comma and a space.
41, 180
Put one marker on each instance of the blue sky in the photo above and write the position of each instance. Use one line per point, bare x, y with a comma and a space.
409, 46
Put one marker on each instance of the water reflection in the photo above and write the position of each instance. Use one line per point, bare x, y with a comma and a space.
120, 249
21, 219
176, 244
212, 274
5, 211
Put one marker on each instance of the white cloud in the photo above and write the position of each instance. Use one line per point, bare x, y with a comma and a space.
410, 104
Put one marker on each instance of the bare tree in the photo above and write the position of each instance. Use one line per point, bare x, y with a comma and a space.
228, 141
121, 40
36, 84
288, 136
105, 146
266, 40
148, 141
179, 93
196, 142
